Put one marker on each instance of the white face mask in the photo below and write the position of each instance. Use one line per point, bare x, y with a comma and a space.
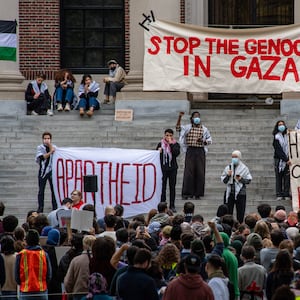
196, 120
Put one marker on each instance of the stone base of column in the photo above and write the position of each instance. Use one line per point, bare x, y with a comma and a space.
12, 94
290, 104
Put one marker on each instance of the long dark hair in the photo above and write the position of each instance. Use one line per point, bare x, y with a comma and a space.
275, 130
84, 77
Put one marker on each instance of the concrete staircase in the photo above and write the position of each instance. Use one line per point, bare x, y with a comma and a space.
248, 130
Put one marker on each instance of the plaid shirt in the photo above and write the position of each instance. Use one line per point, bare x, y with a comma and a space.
195, 137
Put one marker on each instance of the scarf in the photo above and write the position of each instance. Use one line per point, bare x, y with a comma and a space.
167, 152
242, 170
94, 87
217, 273
39, 89
283, 141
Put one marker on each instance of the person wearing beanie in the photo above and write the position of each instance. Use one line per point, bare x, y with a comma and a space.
236, 175
280, 216
34, 281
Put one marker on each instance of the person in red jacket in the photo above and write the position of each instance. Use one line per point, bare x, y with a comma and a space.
33, 269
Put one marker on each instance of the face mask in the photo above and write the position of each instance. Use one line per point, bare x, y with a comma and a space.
196, 120
235, 160
281, 128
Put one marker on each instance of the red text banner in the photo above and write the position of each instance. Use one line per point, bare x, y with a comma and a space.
129, 177
181, 57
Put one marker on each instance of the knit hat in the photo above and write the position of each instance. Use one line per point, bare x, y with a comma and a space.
280, 215
237, 153
45, 230
97, 285
198, 248
192, 262
255, 240
154, 227
53, 237
292, 219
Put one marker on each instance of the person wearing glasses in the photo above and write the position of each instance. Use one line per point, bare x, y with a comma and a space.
76, 197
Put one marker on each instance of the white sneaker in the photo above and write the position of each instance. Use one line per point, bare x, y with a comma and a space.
59, 107
67, 107
50, 112
34, 113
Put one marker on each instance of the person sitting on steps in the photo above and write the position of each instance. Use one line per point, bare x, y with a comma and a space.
64, 89
114, 82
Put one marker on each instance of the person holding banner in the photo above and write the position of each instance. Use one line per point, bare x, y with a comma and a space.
44, 159
194, 138
169, 149
236, 175
281, 161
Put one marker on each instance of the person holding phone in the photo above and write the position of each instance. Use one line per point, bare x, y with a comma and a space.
236, 175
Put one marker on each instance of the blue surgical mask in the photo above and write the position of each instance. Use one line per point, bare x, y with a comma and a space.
196, 120
235, 160
281, 128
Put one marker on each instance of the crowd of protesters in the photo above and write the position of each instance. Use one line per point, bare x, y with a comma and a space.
157, 256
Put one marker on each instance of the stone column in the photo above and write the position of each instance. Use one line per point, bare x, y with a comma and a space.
196, 12
11, 88
132, 95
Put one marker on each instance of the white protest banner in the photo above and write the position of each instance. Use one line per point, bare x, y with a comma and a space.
294, 156
182, 57
129, 177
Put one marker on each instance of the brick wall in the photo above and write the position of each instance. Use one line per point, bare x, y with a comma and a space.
39, 37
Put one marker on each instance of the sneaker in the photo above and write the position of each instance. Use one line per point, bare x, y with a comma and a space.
90, 113
59, 107
50, 112
67, 107
34, 113
279, 198
173, 209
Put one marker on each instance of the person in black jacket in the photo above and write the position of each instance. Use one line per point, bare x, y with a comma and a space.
169, 150
281, 161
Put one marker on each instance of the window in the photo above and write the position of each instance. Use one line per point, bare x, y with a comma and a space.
92, 32
251, 12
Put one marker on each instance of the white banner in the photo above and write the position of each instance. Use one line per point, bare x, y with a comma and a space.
181, 57
129, 177
294, 156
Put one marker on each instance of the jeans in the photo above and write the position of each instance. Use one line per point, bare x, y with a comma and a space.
88, 102
64, 95
282, 180
41, 194
171, 175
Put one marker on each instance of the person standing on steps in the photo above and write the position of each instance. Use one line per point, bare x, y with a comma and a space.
44, 159
236, 175
194, 139
169, 150
281, 161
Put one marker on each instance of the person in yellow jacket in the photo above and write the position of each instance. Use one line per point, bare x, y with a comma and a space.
33, 269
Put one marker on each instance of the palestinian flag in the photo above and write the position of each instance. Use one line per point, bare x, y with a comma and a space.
8, 40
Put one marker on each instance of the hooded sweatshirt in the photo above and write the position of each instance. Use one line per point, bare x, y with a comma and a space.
231, 263
188, 286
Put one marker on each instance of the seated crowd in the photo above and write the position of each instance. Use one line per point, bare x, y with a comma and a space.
157, 256
40, 102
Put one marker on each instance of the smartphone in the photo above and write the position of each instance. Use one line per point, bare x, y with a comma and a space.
142, 229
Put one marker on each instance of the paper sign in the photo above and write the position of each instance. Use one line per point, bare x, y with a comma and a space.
82, 220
